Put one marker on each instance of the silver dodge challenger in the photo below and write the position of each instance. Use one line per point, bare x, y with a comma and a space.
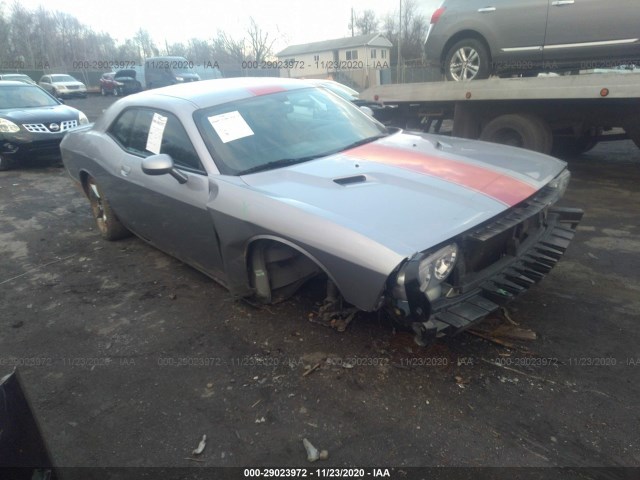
265, 183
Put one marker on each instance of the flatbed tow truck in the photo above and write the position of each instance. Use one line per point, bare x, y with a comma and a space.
562, 115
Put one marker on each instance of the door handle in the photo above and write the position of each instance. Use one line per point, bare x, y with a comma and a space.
487, 9
560, 3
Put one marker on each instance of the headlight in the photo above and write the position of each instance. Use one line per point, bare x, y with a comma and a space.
561, 182
180, 79
8, 127
61, 87
434, 269
82, 118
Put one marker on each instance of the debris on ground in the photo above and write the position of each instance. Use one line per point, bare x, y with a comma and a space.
201, 445
501, 328
313, 454
310, 370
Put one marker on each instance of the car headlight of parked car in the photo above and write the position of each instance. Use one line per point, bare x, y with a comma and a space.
82, 119
433, 269
560, 183
7, 126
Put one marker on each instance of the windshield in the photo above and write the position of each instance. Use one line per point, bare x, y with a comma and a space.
63, 78
271, 131
25, 97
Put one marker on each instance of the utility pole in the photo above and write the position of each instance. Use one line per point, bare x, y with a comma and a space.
399, 42
352, 22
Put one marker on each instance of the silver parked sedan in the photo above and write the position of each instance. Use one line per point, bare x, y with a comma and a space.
471, 39
265, 183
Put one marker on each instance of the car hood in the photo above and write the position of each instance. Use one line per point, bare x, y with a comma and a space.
54, 113
126, 74
411, 192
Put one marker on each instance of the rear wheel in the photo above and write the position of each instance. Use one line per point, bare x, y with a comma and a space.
467, 59
108, 224
519, 130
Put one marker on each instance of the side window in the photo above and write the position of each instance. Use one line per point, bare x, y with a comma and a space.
132, 131
176, 143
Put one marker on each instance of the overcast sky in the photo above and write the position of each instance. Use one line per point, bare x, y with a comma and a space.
291, 21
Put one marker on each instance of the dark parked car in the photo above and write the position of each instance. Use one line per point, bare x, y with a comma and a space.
264, 183
62, 85
472, 39
32, 123
122, 82
165, 71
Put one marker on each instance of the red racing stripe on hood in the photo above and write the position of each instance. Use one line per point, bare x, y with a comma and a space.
496, 185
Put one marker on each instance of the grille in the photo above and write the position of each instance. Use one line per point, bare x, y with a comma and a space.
72, 87
42, 128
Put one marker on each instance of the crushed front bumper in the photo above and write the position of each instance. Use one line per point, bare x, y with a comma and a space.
481, 293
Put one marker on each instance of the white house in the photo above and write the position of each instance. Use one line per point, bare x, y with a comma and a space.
359, 58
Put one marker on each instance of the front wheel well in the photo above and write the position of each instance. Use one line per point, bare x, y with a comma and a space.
277, 270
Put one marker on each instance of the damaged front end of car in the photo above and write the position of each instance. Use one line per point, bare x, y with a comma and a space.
446, 289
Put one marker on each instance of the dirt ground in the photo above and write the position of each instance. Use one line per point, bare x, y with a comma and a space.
129, 357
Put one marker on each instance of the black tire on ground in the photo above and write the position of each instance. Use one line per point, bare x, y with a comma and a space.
519, 130
569, 147
5, 163
106, 220
467, 59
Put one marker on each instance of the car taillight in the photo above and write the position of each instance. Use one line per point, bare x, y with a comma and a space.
436, 15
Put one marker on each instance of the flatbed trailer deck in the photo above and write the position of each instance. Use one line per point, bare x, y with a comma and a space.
563, 115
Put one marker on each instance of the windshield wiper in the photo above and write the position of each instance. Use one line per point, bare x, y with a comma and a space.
363, 141
283, 162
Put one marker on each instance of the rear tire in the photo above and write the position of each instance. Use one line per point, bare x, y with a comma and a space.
519, 130
467, 60
106, 220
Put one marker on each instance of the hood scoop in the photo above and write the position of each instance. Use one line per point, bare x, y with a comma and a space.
345, 181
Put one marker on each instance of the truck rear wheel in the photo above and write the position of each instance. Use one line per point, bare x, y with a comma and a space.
519, 130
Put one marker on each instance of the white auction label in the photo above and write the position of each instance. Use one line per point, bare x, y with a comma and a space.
154, 139
230, 126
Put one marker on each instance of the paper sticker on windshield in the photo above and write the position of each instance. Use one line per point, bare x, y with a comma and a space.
154, 139
230, 126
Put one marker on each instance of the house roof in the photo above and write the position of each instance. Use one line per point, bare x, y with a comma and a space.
372, 39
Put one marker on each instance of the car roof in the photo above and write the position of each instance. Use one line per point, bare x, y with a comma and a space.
208, 93
16, 83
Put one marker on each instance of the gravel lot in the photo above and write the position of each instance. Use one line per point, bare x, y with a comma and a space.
143, 355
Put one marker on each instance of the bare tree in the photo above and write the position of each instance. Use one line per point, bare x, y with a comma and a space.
414, 31
365, 23
227, 50
261, 46
143, 39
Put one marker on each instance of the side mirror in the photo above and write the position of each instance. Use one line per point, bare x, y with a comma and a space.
161, 164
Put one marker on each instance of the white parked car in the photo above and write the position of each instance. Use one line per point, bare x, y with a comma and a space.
63, 85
